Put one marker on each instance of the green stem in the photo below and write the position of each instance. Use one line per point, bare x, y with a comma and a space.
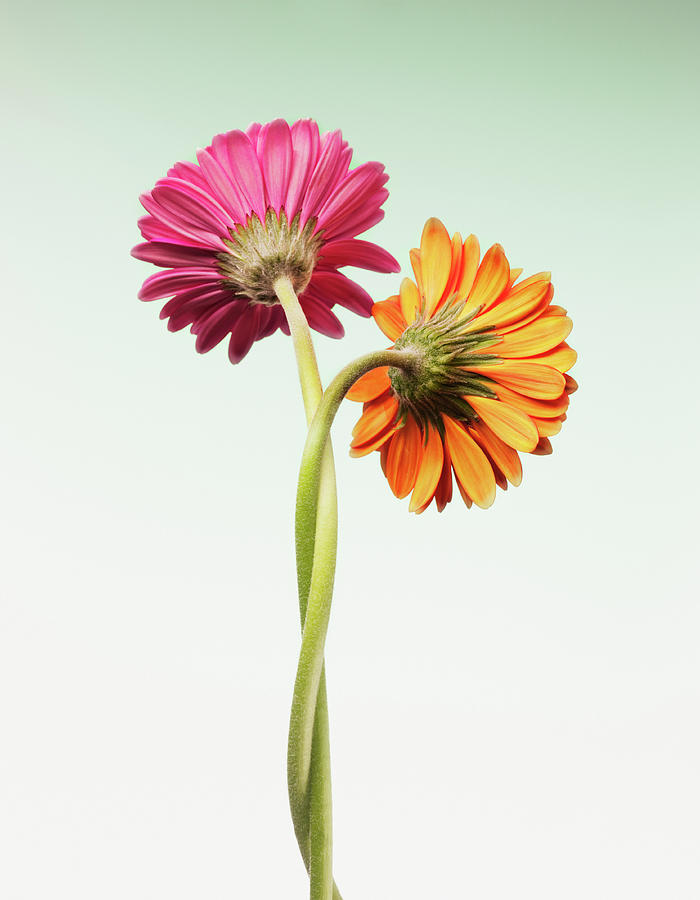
314, 507
311, 810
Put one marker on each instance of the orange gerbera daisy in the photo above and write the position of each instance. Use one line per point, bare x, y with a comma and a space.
489, 379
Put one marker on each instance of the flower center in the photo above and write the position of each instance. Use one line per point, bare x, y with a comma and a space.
441, 382
259, 253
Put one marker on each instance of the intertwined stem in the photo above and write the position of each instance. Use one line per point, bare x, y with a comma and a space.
308, 758
313, 507
311, 805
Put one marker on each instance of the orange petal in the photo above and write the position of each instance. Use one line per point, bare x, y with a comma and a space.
387, 314
531, 379
505, 457
491, 279
465, 496
429, 471
538, 311
536, 338
543, 448
545, 409
383, 453
514, 306
547, 427
436, 262
561, 358
455, 267
535, 279
370, 385
514, 275
443, 492
414, 256
468, 266
404, 458
378, 442
510, 424
410, 300
471, 467
376, 415
571, 384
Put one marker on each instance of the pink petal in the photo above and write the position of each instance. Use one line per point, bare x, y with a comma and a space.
320, 318
275, 144
195, 207
352, 195
331, 165
270, 323
361, 254
245, 333
357, 225
153, 230
163, 284
306, 146
195, 236
219, 150
189, 306
360, 218
221, 186
193, 297
213, 329
253, 132
245, 171
334, 287
187, 171
166, 254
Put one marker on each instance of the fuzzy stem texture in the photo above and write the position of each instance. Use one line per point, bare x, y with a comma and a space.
311, 807
314, 507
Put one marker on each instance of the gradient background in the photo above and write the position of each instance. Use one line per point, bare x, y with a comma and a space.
514, 694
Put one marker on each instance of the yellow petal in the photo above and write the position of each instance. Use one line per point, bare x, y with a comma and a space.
547, 427
387, 314
561, 358
410, 300
468, 266
532, 379
471, 467
503, 455
429, 471
414, 256
544, 409
518, 303
510, 424
491, 279
534, 339
514, 275
435, 261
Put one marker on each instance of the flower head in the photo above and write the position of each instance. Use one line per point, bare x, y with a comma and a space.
275, 200
488, 380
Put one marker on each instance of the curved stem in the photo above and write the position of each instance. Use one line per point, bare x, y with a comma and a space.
313, 831
311, 504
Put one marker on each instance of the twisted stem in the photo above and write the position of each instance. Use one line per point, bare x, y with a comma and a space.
314, 507
308, 759
311, 808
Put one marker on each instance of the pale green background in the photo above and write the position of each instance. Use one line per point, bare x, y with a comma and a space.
514, 694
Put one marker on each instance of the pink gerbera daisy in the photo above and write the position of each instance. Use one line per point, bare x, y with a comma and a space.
275, 200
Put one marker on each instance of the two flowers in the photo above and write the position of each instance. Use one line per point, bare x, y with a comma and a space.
278, 201
251, 240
